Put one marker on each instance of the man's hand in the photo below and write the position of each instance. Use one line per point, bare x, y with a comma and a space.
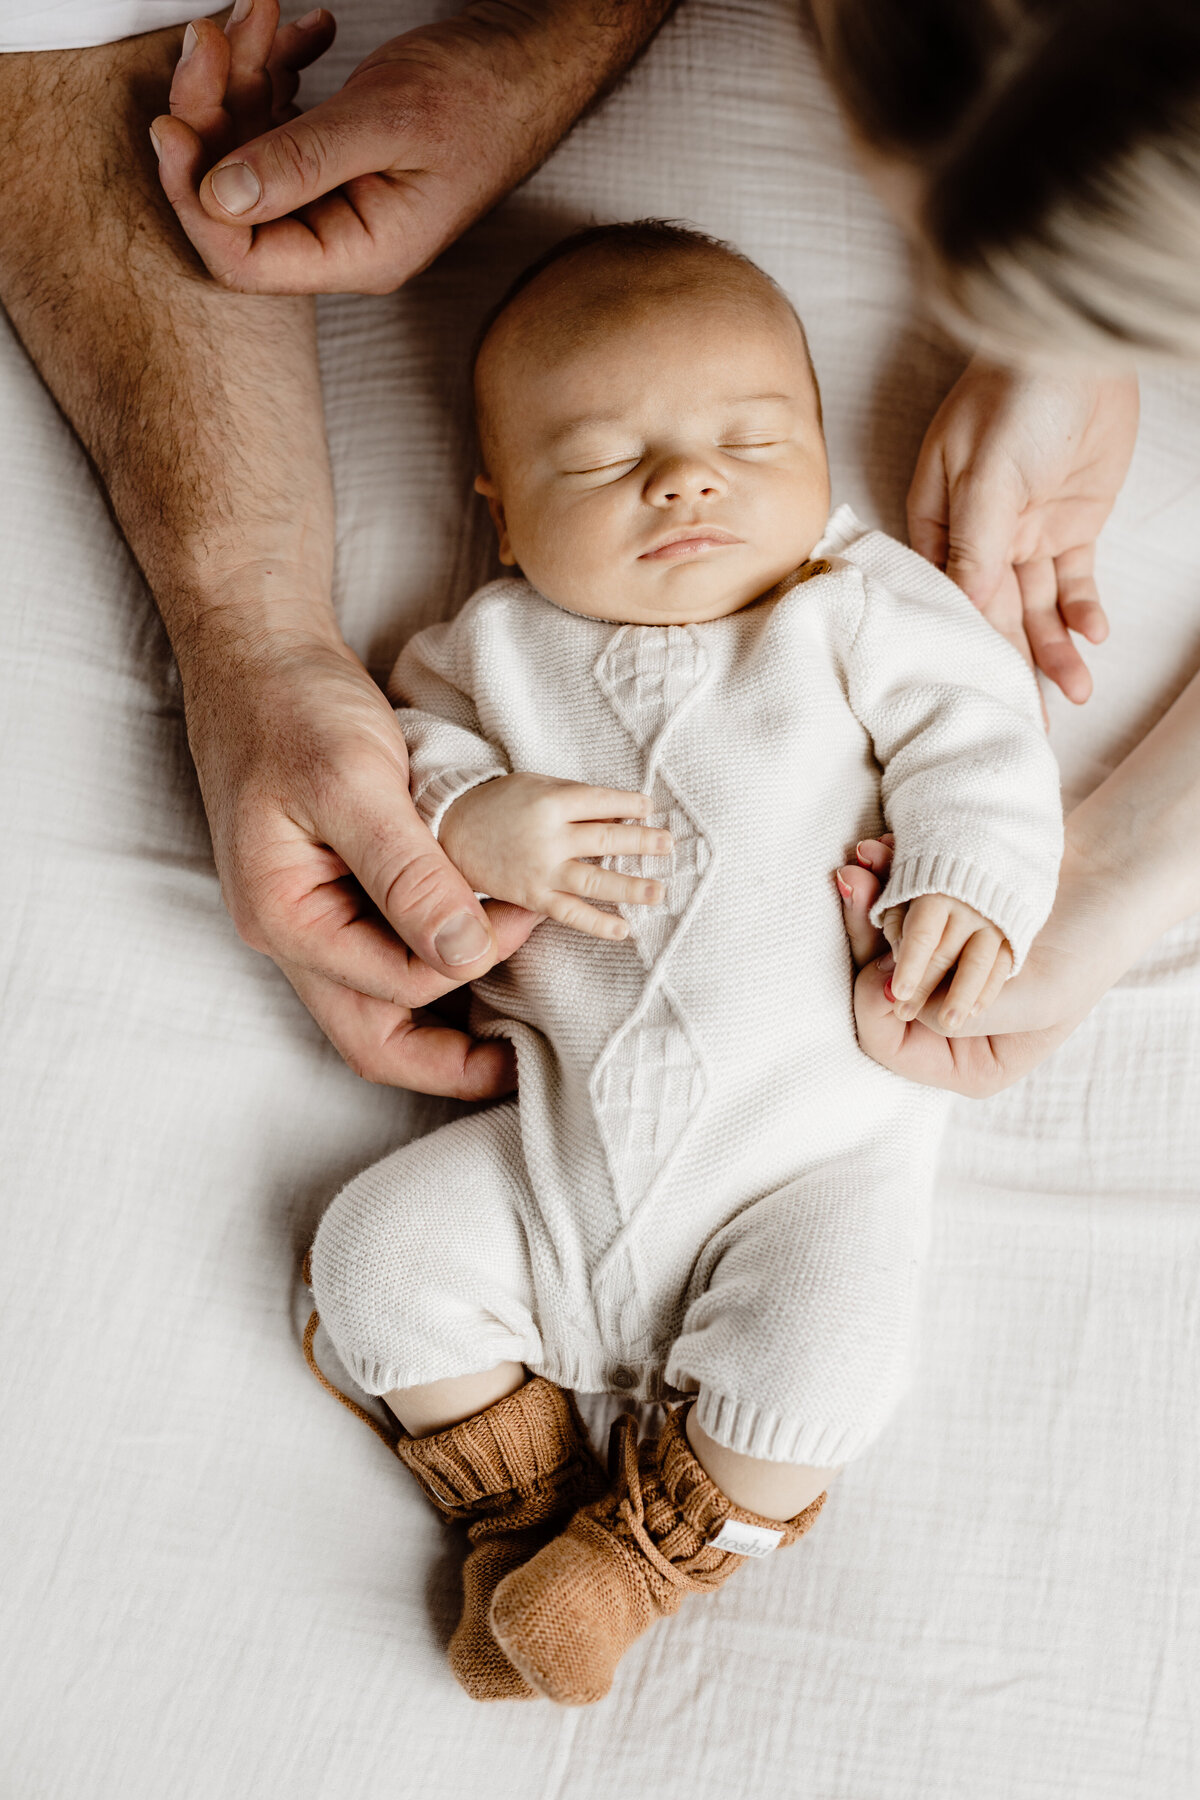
323, 859
428, 133
1017, 474
526, 838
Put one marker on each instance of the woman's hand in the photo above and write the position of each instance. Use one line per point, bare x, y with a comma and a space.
428, 133
1017, 474
325, 865
1061, 981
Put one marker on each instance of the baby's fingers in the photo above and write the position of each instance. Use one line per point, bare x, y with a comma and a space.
250, 28
606, 803
198, 86
605, 884
609, 839
581, 917
923, 956
982, 971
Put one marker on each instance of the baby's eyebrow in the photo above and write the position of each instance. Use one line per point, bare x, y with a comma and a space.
615, 422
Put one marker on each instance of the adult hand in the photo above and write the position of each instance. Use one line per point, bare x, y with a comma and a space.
324, 860
1064, 975
1017, 474
429, 132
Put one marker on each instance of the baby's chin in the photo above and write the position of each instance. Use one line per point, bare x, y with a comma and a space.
684, 593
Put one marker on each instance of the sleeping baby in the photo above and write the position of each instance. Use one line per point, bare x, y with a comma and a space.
660, 735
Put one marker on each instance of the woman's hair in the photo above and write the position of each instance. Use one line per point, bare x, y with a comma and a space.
1057, 145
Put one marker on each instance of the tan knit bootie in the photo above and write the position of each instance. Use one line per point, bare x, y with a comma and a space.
566, 1617
515, 1473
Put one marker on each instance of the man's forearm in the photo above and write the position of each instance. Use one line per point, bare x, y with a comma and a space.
577, 51
200, 409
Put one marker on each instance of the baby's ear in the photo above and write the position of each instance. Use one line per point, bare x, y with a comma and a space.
487, 487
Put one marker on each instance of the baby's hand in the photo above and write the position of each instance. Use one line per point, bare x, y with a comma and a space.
928, 937
523, 838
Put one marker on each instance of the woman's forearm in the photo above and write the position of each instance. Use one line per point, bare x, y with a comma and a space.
1139, 830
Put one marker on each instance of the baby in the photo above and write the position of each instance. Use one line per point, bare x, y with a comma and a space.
661, 736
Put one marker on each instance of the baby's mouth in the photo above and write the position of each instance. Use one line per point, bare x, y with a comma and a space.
689, 540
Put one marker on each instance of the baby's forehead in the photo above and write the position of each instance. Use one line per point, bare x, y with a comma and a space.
595, 302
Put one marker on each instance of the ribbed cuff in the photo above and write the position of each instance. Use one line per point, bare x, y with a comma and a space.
753, 1431
942, 873
434, 798
520, 1441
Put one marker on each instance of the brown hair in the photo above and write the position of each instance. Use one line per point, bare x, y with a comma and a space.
1058, 148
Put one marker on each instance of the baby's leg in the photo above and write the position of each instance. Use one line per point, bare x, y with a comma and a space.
434, 1405
776, 1490
422, 1276
798, 1328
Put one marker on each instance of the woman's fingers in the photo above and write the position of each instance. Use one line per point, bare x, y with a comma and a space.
1049, 639
859, 890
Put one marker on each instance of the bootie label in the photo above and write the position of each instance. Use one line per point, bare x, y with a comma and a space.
746, 1540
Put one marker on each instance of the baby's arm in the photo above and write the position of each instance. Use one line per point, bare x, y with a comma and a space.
525, 838
970, 787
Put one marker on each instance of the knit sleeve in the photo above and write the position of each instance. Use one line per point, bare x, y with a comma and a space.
970, 785
431, 688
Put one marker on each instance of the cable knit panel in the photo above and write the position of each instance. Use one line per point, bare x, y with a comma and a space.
648, 1083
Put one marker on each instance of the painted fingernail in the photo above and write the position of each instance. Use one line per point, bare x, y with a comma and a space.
309, 20
155, 144
461, 940
844, 888
190, 39
860, 853
888, 993
236, 187
241, 10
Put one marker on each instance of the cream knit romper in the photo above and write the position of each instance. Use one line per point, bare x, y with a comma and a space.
705, 1186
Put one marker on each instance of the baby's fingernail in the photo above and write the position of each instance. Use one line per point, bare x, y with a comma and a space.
952, 1019
154, 143
461, 940
844, 888
309, 20
886, 963
241, 10
190, 40
860, 853
236, 187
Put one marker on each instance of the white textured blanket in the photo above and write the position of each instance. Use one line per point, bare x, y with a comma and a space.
216, 1585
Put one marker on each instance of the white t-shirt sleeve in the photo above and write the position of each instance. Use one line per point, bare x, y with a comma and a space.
78, 24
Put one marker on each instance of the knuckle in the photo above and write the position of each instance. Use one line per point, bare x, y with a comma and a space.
298, 156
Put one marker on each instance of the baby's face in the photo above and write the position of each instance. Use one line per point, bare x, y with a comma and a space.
657, 458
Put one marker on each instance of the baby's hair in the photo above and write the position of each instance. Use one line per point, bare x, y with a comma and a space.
637, 241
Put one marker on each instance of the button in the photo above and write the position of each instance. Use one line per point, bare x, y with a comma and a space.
624, 1377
